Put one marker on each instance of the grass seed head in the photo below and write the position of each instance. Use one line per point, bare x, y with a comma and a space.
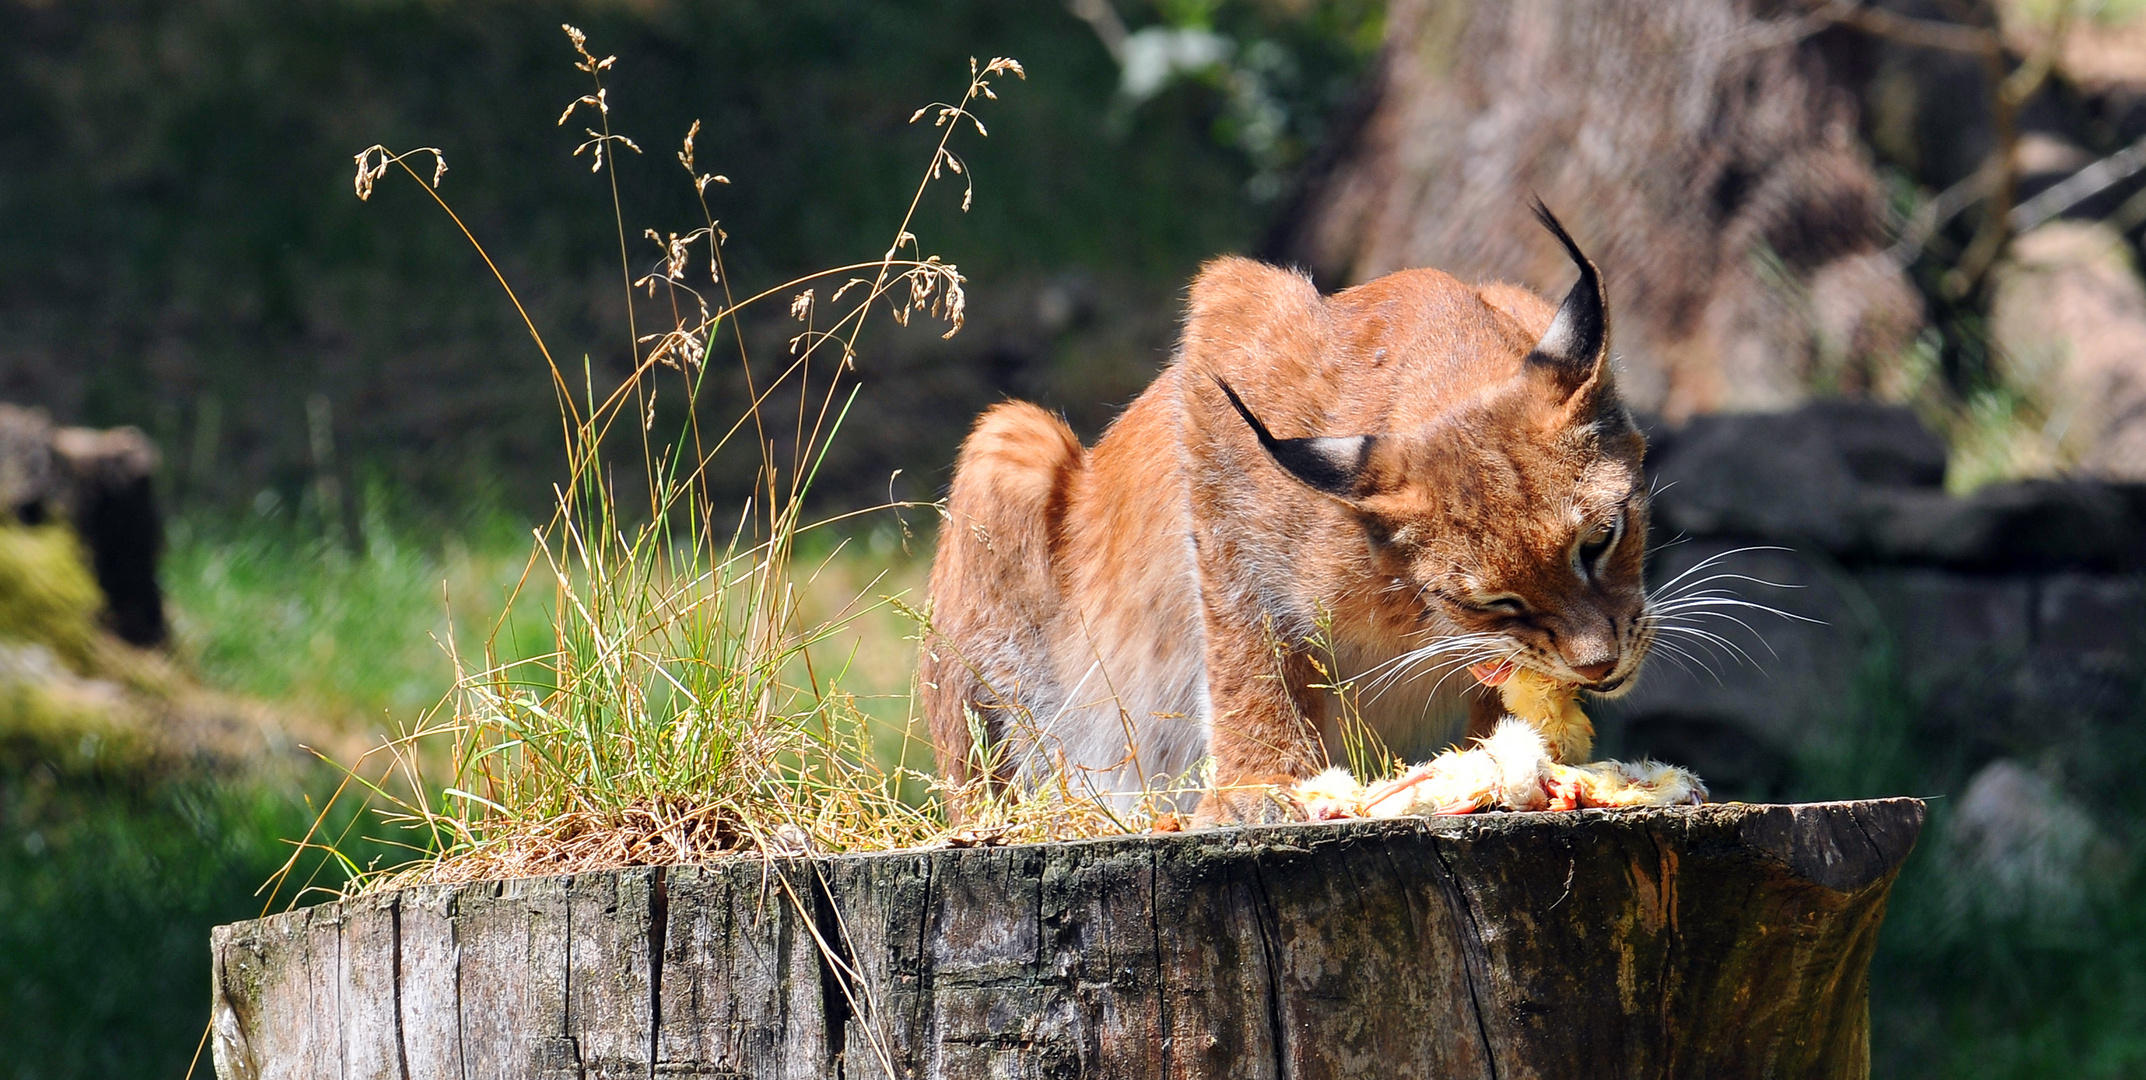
680, 714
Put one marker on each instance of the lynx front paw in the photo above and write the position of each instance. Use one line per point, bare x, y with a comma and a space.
1266, 800
1333, 795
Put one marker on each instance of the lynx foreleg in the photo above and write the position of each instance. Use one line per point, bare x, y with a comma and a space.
1263, 720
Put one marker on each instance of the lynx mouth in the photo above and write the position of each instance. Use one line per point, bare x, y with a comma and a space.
1495, 672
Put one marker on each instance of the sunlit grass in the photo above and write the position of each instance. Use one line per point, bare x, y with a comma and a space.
275, 610
698, 695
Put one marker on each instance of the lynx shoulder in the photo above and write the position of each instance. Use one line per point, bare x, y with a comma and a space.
1378, 490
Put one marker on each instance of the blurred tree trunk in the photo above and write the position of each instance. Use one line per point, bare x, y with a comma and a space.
1703, 151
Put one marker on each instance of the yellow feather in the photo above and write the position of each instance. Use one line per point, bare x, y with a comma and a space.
1553, 708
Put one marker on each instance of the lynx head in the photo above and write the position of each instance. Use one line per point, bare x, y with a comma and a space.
1507, 519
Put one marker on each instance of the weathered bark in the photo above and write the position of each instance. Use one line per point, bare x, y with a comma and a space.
1721, 941
1703, 152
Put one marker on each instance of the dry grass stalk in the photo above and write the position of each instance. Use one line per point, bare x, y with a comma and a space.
680, 716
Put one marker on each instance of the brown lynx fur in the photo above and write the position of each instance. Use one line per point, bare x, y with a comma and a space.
1450, 479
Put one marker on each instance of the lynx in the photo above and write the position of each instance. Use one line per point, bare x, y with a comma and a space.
1382, 488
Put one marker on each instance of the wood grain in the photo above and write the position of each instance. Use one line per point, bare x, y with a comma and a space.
1720, 941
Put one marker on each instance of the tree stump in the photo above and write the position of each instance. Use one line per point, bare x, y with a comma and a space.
1719, 941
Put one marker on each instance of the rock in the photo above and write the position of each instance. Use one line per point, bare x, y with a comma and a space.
2098, 618
111, 502
1859, 480
2018, 845
2017, 527
1941, 627
1788, 689
103, 484
1994, 664
1882, 445
2068, 315
1798, 476
26, 473
1768, 475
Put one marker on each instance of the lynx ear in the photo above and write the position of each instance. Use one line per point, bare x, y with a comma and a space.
1330, 465
1577, 343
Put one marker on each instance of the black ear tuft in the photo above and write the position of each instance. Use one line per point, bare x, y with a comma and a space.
1578, 337
1331, 465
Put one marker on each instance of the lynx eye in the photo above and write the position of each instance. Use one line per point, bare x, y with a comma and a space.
1500, 604
1595, 545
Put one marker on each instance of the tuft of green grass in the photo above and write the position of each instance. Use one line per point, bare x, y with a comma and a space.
47, 596
277, 610
681, 710
2000, 433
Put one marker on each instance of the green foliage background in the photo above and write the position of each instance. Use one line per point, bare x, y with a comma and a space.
184, 252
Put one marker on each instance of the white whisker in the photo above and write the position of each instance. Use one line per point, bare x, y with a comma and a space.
1416, 663
1692, 603
1512, 654
1675, 651
1714, 639
1677, 623
1674, 654
1441, 645
1704, 658
1678, 606
1422, 664
1711, 560
1687, 589
1678, 620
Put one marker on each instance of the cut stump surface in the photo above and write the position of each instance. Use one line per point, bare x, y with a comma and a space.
1718, 941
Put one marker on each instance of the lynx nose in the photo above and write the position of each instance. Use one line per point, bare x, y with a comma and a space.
1595, 673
